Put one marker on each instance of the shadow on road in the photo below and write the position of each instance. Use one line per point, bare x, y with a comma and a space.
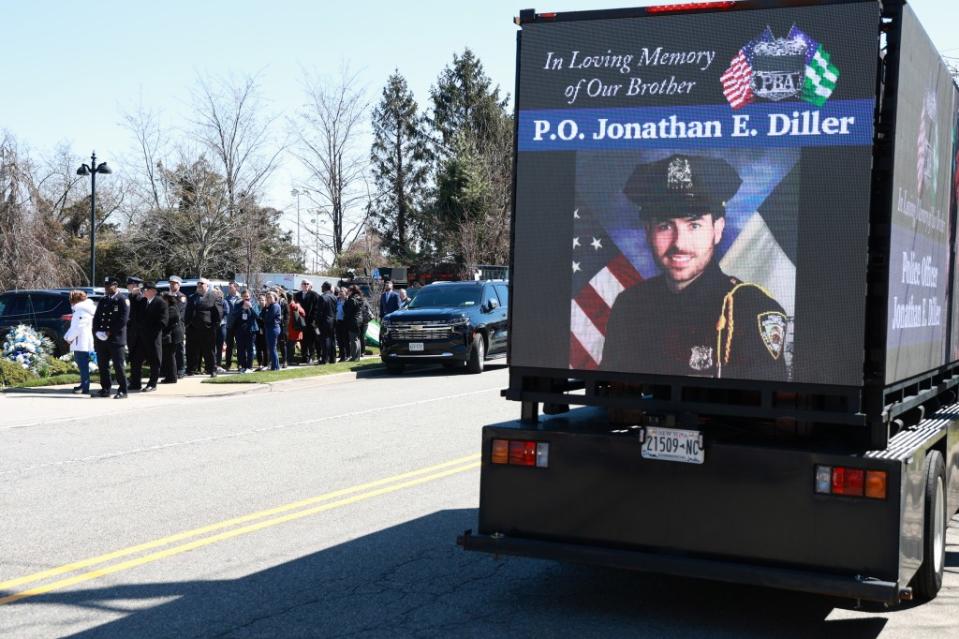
411, 580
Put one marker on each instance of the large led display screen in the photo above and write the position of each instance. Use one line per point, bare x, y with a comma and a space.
693, 194
922, 176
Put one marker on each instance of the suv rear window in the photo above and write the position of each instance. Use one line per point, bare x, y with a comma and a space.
447, 296
13, 304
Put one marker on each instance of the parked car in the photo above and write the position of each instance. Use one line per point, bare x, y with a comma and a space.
188, 287
45, 310
457, 324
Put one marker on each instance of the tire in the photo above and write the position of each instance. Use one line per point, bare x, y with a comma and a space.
928, 579
393, 368
477, 356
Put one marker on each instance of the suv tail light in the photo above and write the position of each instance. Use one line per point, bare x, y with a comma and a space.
851, 482
516, 452
66, 318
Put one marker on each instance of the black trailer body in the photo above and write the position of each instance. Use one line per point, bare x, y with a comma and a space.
749, 514
814, 142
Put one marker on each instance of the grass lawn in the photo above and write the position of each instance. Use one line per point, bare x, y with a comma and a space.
294, 372
55, 380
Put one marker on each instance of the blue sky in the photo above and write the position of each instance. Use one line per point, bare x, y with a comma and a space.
69, 70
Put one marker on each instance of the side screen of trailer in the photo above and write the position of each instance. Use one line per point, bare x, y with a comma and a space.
693, 194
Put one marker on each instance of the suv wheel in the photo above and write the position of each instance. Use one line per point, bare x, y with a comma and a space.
477, 355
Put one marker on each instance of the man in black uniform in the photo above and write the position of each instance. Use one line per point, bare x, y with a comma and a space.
326, 322
110, 333
155, 317
179, 333
202, 321
136, 347
693, 319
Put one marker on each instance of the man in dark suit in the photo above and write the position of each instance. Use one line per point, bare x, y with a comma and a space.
308, 299
389, 300
178, 335
155, 318
110, 332
136, 347
202, 322
326, 322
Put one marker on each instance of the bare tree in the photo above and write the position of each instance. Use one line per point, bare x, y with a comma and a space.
328, 130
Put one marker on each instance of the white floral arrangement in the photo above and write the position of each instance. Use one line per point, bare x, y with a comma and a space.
26, 347
69, 358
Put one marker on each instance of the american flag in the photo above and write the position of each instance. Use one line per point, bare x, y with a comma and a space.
600, 273
737, 78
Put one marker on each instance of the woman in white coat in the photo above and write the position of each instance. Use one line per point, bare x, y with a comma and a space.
80, 336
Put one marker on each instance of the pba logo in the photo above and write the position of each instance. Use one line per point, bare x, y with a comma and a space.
777, 69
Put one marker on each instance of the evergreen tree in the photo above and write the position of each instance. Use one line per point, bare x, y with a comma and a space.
399, 159
471, 201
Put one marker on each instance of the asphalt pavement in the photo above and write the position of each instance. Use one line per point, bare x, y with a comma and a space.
326, 510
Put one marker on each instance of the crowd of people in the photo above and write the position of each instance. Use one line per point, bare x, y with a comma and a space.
171, 335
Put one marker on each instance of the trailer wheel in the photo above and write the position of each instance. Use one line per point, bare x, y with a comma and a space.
477, 355
928, 580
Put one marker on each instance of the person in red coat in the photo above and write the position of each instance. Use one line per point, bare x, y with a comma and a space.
294, 327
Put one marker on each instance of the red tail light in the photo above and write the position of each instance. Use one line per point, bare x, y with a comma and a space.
67, 317
850, 482
520, 453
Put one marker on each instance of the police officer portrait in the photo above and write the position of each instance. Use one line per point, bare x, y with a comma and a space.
684, 264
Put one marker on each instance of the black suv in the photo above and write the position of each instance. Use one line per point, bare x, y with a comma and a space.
454, 323
45, 310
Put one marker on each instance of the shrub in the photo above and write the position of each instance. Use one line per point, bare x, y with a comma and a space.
13, 374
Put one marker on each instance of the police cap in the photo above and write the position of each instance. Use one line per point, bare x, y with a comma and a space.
175, 278
682, 186
110, 279
149, 285
134, 280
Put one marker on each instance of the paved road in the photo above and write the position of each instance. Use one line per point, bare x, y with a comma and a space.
324, 512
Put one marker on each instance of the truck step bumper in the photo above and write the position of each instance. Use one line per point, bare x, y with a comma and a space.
849, 587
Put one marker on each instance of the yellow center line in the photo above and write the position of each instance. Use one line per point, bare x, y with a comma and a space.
195, 532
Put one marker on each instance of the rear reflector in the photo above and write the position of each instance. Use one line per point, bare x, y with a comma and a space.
850, 482
691, 6
876, 484
500, 451
520, 453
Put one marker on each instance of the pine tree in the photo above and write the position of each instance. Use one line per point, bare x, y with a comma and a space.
471, 203
400, 163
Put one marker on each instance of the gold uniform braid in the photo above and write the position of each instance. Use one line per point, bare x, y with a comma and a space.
726, 321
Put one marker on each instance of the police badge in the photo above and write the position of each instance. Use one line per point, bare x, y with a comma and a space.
679, 174
772, 328
778, 67
701, 358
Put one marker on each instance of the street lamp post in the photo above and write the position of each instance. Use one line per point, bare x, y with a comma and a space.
297, 193
92, 169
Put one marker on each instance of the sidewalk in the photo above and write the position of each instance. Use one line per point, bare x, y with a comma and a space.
194, 387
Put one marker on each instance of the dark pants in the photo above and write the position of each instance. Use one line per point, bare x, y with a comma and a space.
168, 367
343, 340
291, 352
308, 345
154, 357
138, 354
230, 343
220, 341
82, 358
327, 346
261, 354
272, 335
108, 353
200, 345
281, 348
179, 354
356, 344
244, 350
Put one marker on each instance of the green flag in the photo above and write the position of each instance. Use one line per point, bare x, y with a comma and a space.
821, 78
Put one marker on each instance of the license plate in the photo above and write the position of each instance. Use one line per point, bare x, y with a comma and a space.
673, 444
416, 347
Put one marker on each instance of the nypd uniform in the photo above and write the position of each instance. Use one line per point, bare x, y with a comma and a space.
718, 325
137, 347
110, 321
